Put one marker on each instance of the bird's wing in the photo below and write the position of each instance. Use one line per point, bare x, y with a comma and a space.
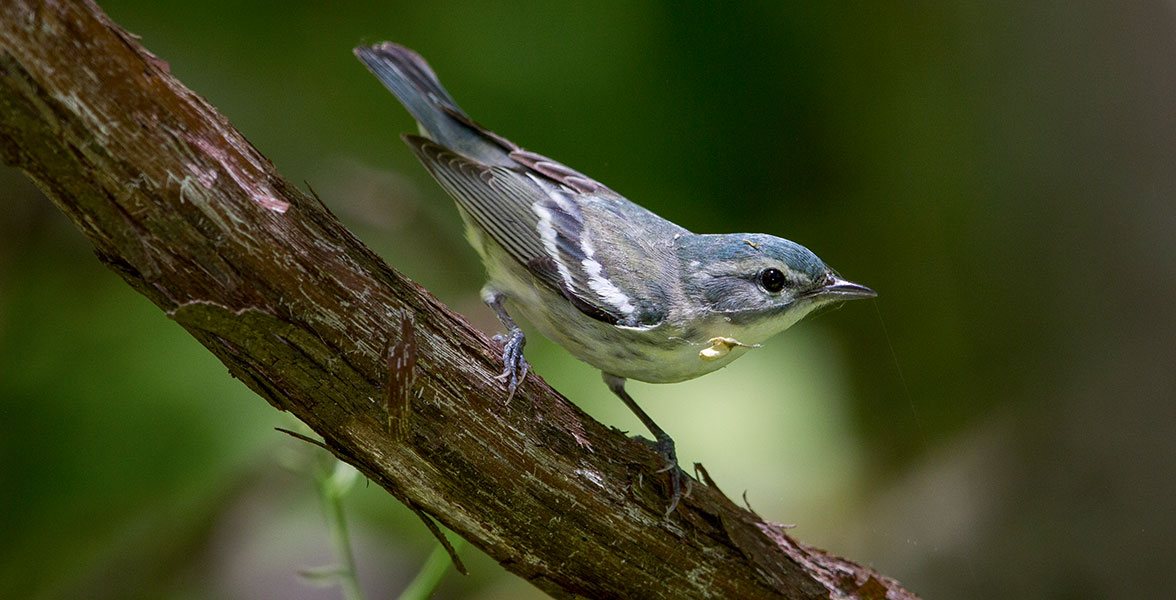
534, 213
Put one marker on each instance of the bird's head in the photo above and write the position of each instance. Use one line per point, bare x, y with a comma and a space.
759, 284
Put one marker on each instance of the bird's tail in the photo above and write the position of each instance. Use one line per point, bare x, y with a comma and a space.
413, 82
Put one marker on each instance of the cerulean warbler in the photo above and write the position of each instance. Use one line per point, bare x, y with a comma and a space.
619, 287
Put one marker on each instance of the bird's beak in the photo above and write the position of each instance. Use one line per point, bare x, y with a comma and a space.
840, 289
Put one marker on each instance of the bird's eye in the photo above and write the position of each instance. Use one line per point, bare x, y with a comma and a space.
772, 280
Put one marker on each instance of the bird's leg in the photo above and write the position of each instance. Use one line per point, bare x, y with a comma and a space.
664, 445
514, 366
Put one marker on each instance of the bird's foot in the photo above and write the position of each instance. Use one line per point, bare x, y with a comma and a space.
514, 366
664, 447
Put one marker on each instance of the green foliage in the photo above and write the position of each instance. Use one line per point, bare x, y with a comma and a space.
1001, 174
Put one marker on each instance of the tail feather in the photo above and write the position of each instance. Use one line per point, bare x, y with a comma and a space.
413, 82
410, 78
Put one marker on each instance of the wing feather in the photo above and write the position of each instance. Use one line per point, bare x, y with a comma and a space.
534, 213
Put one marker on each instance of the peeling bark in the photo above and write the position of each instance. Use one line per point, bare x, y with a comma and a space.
181, 206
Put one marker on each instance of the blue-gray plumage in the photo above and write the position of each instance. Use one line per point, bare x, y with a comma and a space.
619, 287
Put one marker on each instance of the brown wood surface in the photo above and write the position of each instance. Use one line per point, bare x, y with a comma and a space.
180, 205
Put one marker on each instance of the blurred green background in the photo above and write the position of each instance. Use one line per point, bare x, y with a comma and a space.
997, 424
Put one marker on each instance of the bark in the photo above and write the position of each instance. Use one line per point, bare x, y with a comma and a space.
181, 206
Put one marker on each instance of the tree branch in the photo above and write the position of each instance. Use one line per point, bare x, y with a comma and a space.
180, 205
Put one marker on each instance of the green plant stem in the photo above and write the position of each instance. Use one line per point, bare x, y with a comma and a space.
332, 495
429, 577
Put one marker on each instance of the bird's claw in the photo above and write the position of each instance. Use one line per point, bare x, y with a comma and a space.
666, 450
514, 366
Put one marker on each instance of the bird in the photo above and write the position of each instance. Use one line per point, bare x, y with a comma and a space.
619, 287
